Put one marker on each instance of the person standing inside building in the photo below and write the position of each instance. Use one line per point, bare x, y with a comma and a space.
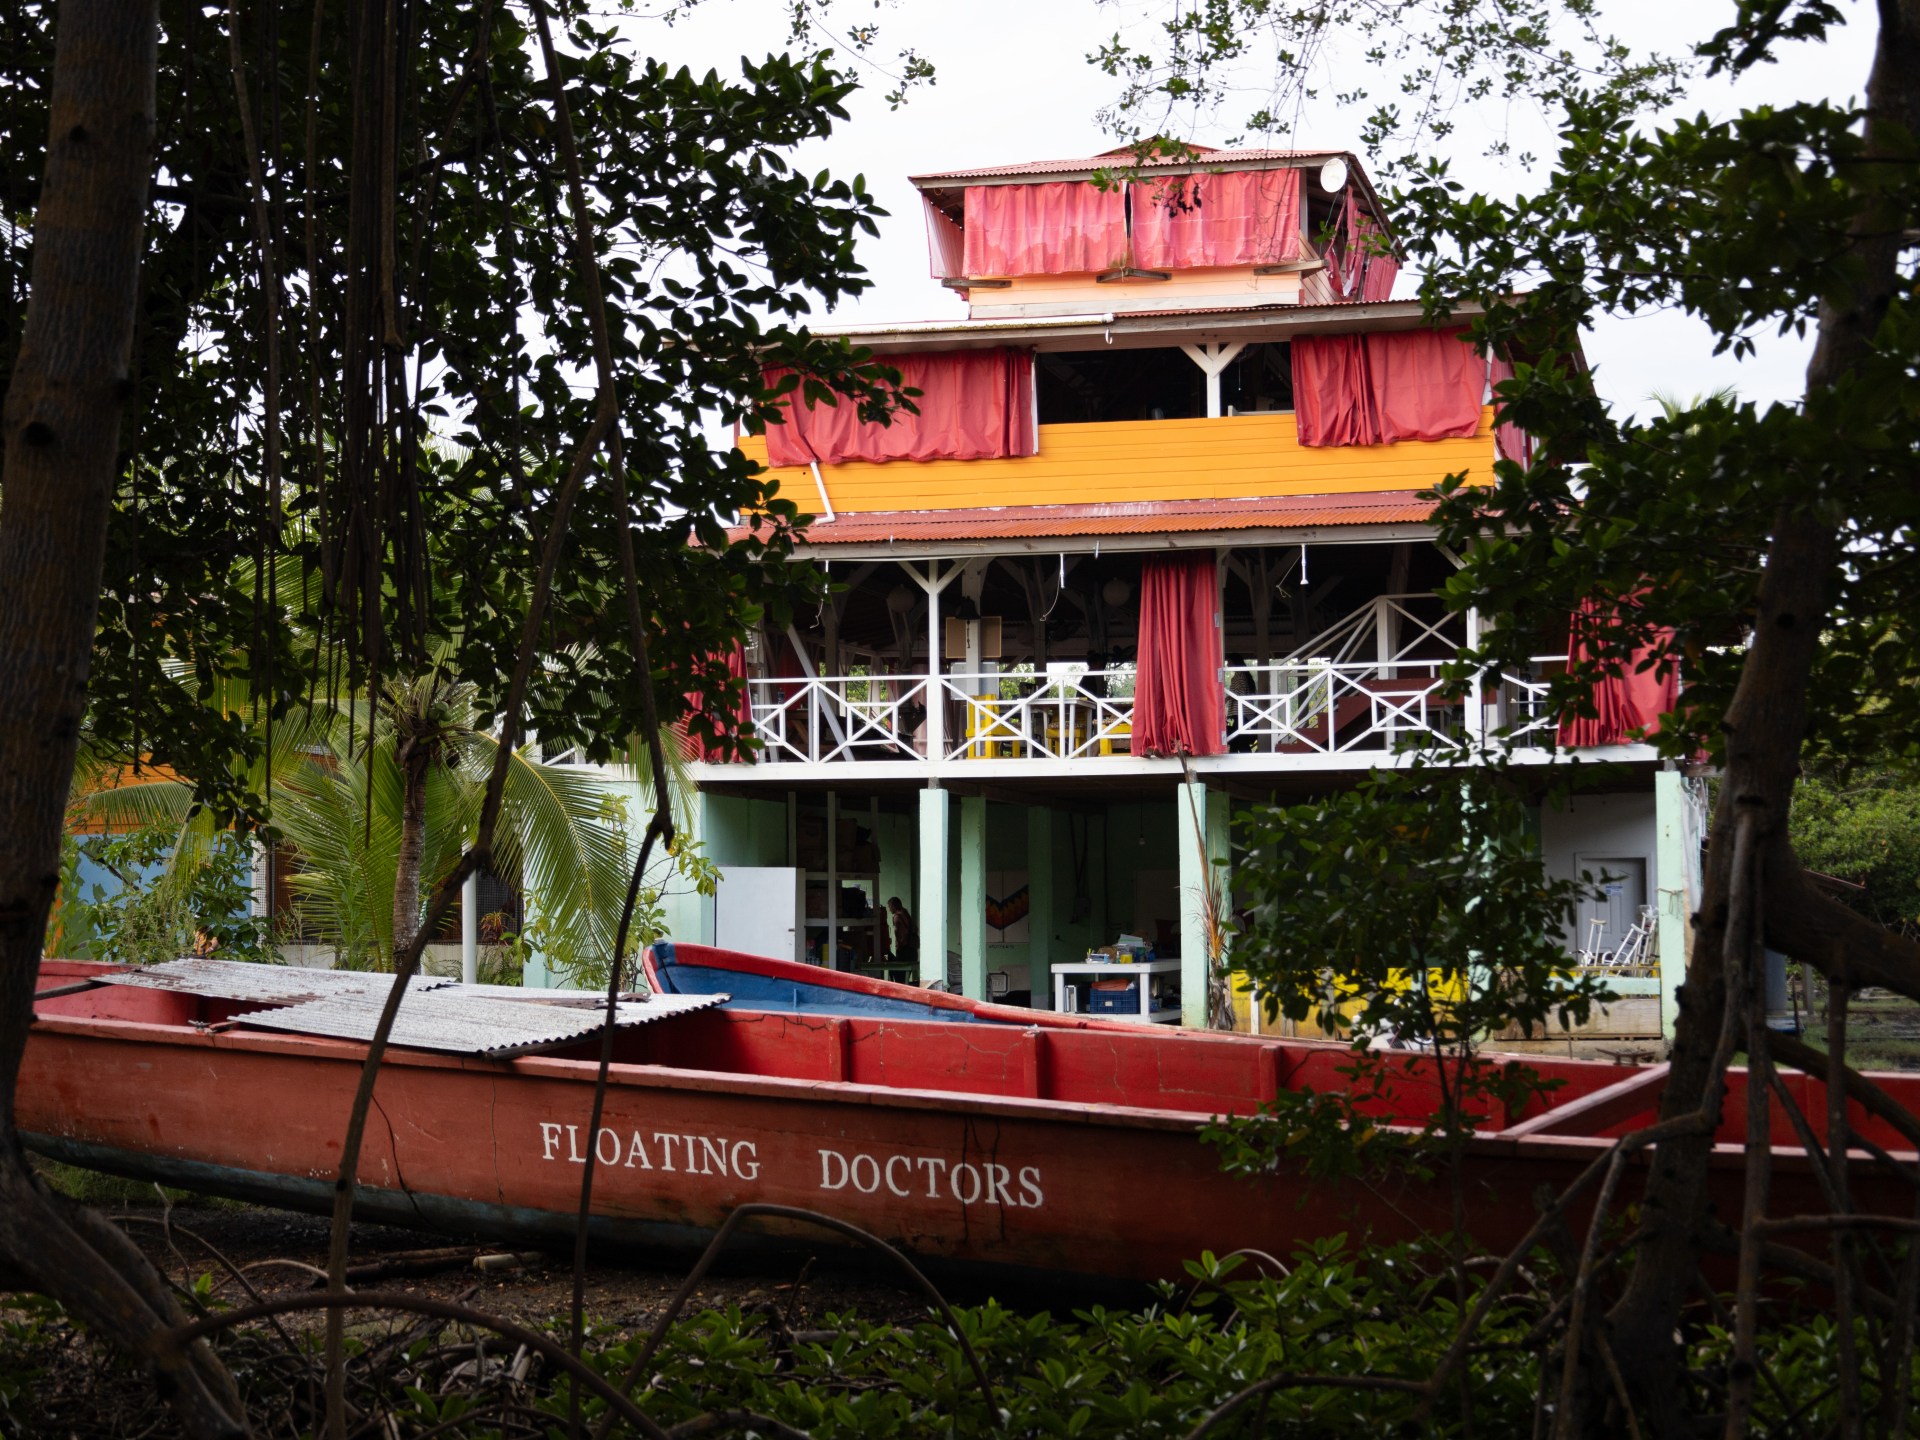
906, 938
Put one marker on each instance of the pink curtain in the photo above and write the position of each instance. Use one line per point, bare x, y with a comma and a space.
1244, 217
1509, 440
1427, 384
946, 244
1179, 704
1332, 391
1380, 388
739, 720
974, 405
1628, 701
1061, 228
1359, 266
1377, 282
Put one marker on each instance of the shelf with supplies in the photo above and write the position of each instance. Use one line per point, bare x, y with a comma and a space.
1144, 991
843, 920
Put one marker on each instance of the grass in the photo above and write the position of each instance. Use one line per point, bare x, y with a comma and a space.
106, 1192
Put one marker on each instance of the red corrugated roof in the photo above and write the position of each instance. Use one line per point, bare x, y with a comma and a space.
1203, 155
1138, 517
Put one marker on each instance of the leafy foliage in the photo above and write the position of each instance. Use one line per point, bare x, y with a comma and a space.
710, 249
1471, 941
1866, 829
1408, 69
151, 909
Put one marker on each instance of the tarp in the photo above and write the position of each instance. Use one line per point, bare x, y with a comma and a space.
1060, 228
1376, 389
973, 405
1240, 217
1179, 704
1628, 700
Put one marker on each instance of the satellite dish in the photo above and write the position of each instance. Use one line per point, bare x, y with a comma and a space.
1333, 175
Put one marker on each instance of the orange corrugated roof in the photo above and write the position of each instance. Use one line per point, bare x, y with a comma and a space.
1135, 517
1203, 155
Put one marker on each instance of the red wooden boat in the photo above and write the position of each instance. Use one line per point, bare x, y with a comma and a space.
963, 1132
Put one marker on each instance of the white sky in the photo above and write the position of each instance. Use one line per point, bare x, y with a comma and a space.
1014, 84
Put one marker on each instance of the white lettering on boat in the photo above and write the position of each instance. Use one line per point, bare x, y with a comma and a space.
970, 1184
702, 1154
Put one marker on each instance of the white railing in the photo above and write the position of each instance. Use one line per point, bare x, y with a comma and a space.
1063, 713
1067, 712
1320, 707
840, 717
1522, 703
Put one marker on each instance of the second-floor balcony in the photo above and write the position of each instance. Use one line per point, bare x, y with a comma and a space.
1355, 713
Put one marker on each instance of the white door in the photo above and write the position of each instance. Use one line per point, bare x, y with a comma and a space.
1623, 890
756, 910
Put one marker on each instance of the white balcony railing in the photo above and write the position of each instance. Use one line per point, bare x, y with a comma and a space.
1316, 706
1064, 713
825, 718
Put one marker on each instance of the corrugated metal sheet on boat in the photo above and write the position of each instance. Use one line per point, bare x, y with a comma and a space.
267, 984
458, 1023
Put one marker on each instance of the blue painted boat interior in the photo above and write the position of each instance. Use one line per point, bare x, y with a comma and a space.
797, 997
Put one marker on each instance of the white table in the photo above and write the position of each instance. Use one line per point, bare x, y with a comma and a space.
1149, 1014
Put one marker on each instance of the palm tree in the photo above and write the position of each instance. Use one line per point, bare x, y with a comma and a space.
378, 802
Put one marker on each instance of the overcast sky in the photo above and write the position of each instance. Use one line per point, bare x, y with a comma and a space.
1014, 84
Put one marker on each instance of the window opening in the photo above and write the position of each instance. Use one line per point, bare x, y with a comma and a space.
1259, 381
1090, 386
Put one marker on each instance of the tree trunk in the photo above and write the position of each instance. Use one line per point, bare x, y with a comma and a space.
414, 758
60, 428
1765, 726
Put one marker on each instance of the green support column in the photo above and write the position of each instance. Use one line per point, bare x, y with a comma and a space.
1192, 814
1040, 956
931, 915
1673, 905
973, 896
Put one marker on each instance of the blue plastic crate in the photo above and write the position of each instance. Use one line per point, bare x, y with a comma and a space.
1108, 997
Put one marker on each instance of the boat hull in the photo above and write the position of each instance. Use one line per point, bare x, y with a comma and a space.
972, 1173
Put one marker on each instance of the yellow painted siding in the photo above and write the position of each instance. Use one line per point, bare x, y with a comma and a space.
1235, 457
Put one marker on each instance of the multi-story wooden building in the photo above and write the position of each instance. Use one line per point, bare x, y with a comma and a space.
1157, 542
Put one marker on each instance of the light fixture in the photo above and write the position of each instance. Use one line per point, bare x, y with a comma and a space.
1115, 592
899, 599
965, 609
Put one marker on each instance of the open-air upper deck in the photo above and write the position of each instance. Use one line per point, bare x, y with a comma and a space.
1162, 502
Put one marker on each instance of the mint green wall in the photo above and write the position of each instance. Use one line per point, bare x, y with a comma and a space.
738, 831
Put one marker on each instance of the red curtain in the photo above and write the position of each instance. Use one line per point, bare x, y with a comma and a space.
1427, 384
738, 722
1628, 701
946, 244
1179, 704
1380, 388
1243, 217
974, 405
1359, 264
1509, 440
1332, 391
1060, 228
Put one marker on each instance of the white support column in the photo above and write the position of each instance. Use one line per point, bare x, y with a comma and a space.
933, 582
1190, 806
1213, 361
1476, 697
470, 930
1673, 881
973, 896
935, 819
